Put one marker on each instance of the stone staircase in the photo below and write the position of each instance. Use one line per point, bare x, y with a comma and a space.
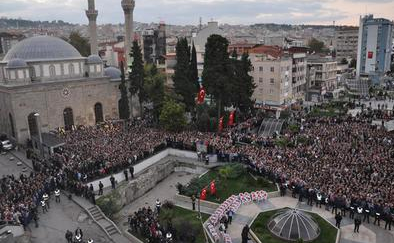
108, 226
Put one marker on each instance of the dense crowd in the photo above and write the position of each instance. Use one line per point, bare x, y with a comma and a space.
346, 160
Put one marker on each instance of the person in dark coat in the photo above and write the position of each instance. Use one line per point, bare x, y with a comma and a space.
112, 179
126, 175
101, 186
131, 169
245, 234
338, 219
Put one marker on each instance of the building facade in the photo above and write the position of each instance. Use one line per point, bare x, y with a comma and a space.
154, 44
346, 41
45, 84
374, 47
322, 77
200, 39
298, 75
272, 75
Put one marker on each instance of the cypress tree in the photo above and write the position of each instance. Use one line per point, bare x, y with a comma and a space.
124, 110
137, 75
182, 82
193, 68
217, 71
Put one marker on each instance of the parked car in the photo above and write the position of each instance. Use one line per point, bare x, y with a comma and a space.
6, 145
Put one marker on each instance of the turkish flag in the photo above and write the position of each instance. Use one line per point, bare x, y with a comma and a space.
213, 188
203, 194
201, 96
370, 55
231, 118
220, 124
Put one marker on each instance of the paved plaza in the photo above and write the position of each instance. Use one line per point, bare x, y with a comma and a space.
63, 216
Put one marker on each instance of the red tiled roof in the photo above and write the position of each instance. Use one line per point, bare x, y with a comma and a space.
274, 51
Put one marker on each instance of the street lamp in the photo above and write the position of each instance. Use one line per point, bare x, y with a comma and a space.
38, 121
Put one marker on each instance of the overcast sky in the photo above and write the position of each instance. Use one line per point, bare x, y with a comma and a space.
344, 12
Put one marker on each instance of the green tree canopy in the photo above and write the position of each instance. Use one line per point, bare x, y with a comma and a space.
154, 87
183, 83
80, 43
124, 109
315, 45
136, 77
242, 85
344, 61
217, 70
172, 116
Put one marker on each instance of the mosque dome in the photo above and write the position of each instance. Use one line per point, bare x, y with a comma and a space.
41, 48
293, 224
16, 63
112, 72
94, 59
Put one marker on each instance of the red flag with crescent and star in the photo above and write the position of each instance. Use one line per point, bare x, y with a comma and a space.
201, 96
203, 194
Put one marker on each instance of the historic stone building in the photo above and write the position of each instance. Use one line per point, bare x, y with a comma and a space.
45, 82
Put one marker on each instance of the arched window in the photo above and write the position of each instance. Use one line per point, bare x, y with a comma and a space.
12, 125
71, 69
68, 118
52, 71
98, 112
32, 121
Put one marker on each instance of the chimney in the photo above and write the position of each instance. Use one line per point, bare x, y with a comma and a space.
128, 8
91, 13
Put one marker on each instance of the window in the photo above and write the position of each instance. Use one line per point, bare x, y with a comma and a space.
52, 71
32, 121
272, 69
272, 81
71, 69
98, 112
260, 80
261, 69
68, 118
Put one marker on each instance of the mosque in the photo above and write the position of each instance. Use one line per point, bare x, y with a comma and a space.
45, 84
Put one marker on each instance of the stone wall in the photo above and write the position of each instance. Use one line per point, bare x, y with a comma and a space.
145, 181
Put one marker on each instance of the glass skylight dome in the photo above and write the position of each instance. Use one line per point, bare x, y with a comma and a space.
293, 224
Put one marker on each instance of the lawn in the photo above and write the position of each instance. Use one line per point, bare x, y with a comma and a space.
234, 183
328, 232
183, 220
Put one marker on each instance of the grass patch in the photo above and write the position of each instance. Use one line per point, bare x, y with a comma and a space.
184, 221
328, 232
230, 180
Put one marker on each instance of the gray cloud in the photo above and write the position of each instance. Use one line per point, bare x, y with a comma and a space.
179, 11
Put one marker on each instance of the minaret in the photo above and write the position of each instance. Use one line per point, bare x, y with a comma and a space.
128, 8
92, 13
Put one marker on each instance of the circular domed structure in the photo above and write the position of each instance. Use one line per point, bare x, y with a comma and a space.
112, 72
16, 63
94, 59
42, 48
293, 224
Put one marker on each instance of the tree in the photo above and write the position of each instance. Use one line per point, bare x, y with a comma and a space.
316, 45
154, 87
124, 110
80, 43
344, 61
182, 76
193, 68
172, 116
242, 85
216, 74
353, 63
136, 77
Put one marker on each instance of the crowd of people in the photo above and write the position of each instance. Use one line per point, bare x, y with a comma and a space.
345, 160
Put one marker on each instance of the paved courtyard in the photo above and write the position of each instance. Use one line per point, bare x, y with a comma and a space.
368, 232
61, 217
